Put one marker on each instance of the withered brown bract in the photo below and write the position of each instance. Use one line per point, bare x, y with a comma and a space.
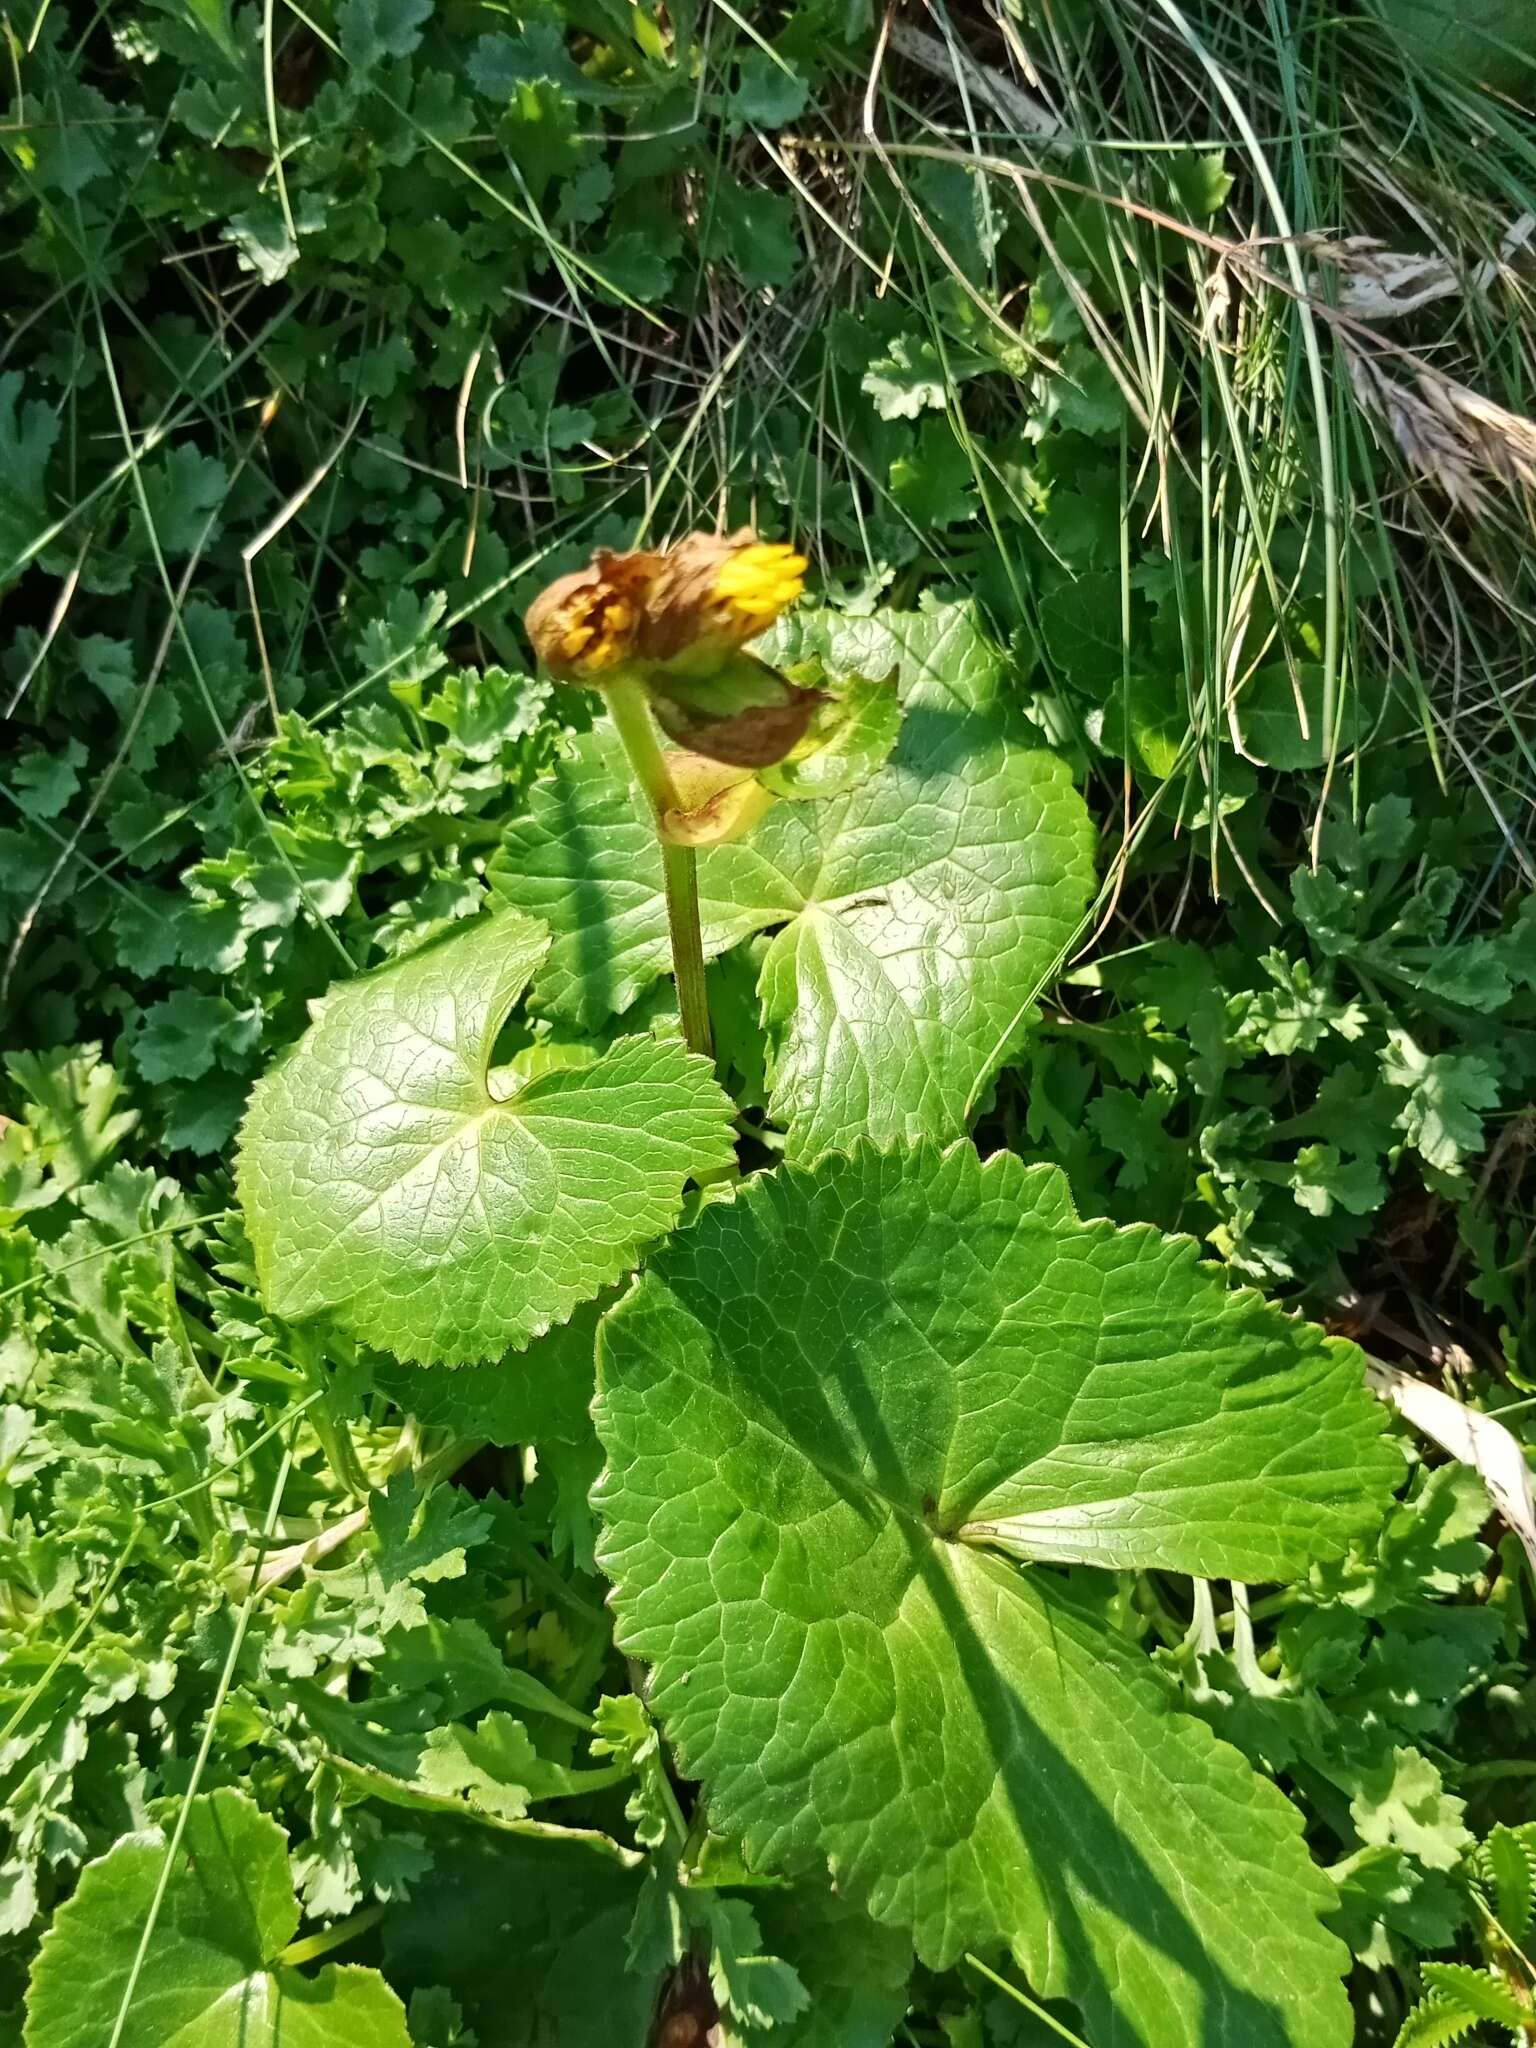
753, 738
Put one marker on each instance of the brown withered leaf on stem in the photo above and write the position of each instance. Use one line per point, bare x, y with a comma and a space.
716, 803
753, 737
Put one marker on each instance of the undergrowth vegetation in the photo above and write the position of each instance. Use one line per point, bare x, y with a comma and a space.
928, 1604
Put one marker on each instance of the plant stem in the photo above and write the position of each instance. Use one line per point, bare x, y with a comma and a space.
1023, 1998
679, 864
321, 1944
680, 871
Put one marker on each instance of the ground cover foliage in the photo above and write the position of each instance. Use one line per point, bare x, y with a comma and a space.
929, 1603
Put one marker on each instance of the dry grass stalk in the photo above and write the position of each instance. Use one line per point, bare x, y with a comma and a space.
1378, 283
1447, 433
1029, 118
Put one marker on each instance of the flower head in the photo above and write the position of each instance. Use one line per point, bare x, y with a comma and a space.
695, 603
759, 581
589, 622
717, 591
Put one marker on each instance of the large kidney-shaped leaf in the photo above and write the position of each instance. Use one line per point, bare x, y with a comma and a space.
823, 1407
210, 1977
917, 916
383, 1181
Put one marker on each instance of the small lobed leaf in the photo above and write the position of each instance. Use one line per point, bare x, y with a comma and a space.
1398, 1797
913, 375
758, 1989
495, 1767
1509, 1859
210, 1976
820, 1402
854, 1969
1477, 1991
1446, 1095
385, 1184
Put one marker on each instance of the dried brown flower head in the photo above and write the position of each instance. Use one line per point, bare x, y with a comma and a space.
708, 595
589, 622
717, 592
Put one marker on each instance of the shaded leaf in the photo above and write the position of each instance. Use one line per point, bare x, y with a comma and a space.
854, 1969
1509, 1858
534, 1396
531, 1937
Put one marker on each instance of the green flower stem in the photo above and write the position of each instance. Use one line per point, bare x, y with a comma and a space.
680, 871
679, 864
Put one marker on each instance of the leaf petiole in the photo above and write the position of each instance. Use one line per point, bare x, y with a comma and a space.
328, 1938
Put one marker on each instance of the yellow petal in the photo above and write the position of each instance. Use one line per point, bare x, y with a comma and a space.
761, 579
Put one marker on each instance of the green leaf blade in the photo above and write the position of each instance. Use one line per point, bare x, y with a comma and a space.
586, 861
1477, 1991
803, 1404
210, 1977
530, 1935
385, 1184
1509, 1861
938, 896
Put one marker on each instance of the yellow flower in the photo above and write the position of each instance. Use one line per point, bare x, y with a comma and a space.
715, 592
690, 606
596, 629
760, 580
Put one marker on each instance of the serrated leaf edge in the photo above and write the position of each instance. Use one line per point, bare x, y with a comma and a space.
1154, 1690
1101, 1229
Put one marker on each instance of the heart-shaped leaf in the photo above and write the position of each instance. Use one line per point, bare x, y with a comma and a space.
918, 915
821, 1406
383, 1181
210, 1975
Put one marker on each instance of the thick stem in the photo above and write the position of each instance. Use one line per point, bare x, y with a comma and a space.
679, 864
680, 868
